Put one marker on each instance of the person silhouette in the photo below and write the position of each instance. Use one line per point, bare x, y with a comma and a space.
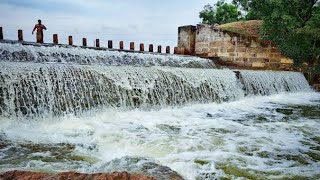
39, 27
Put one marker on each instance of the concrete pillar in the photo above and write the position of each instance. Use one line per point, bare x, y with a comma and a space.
97, 43
110, 44
70, 40
175, 51
132, 46
121, 45
55, 39
1, 33
150, 47
84, 42
187, 39
168, 49
159, 49
20, 35
141, 47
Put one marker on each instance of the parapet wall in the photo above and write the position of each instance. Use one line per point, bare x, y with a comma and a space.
234, 49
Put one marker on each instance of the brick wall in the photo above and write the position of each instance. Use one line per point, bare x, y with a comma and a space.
233, 49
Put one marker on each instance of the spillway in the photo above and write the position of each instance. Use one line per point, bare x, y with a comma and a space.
92, 111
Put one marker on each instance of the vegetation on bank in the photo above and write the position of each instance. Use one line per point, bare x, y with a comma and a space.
293, 25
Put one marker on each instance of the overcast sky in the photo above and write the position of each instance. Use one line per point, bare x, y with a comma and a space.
129, 20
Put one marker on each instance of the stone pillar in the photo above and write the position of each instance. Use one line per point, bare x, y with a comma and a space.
150, 47
55, 39
97, 43
132, 46
70, 40
175, 51
187, 39
84, 42
1, 33
110, 44
159, 49
168, 49
121, 45
20, 35
141, 47
182, 51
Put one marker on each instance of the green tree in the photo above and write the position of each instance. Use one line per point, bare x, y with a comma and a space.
294, 25
219, 13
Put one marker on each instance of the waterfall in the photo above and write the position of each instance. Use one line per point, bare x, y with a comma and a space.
270, 82
23, 53
85, 79
27, 89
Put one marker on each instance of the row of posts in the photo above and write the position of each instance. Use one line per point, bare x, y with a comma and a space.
97, 43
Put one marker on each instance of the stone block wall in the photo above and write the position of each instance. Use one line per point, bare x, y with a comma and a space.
234, 49
186, 40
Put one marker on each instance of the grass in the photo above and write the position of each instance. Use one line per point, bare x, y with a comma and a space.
249, 28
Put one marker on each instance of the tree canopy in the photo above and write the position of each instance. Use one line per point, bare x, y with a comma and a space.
219, 13
292, 24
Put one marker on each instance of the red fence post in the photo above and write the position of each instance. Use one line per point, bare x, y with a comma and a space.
121, 45
110, 45
150, 47
70, 40
175, 50
168, 49
84, 42
97, 43
1, 33
55, 39
20, 35
159, 49
132, 46
141, 47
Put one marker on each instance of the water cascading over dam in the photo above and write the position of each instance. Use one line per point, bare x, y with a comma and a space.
55, 80
167, 116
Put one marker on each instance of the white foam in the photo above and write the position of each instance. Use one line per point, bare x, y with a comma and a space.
176, 137
19, 52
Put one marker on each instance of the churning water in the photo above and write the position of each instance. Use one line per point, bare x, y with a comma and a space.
66, 115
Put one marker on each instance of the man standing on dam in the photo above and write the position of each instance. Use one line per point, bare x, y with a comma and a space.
40, 27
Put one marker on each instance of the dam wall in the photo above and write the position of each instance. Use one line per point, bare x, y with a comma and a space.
52, 81
231, 49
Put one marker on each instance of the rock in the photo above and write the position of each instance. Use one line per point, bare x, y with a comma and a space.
27, 175
316, 87
258, 65
140, 165
286, 61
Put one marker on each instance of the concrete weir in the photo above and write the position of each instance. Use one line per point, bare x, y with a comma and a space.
54, 80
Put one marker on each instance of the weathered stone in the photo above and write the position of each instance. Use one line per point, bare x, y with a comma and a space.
232, 54
231, 50
213, 54
316, 87
286, 61
214, 50
211, 41
258, 65
242, 49
205, 50
187, 38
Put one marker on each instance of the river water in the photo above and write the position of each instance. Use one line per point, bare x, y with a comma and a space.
200, 123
